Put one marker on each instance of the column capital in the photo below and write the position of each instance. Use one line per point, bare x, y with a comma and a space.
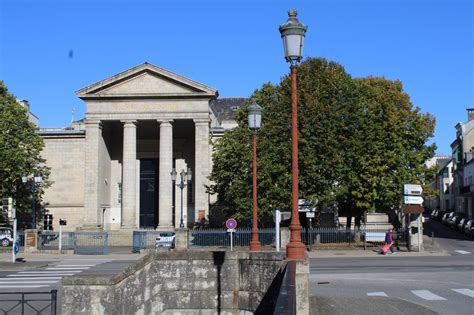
128, 122
164, 122
201, 121
93, 123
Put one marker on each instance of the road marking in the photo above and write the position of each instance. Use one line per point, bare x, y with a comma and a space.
92, 265
28, 282
462, 252
376, 294
467, 292
21, 286
42, 274
427, 295
67, 268
47, 272
35, 278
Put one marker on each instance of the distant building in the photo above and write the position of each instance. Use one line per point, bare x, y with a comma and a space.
112, 169
442, 184
462, 150
31, 117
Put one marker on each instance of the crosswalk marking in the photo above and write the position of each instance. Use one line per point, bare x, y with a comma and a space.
67, 268
427, 295
46, 272
376, 294
467, 292
463, 252
48, 276
41, 274
22, 286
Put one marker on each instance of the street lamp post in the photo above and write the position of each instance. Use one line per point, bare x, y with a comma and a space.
293, 33
185, 177
35, 182
254, 120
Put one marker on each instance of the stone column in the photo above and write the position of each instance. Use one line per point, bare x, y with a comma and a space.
92, 171
201, 199
165, 187
129, 174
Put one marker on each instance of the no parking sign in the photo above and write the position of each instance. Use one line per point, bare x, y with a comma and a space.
231, 224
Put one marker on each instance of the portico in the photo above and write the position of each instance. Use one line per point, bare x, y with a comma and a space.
139, 125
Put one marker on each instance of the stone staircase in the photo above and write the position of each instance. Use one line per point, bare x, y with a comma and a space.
375, 221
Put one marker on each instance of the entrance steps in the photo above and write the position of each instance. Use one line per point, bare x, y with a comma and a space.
375, 221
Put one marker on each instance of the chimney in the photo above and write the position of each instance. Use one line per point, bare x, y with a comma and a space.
470, 114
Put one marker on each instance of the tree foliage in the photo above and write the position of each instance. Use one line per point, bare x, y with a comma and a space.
20, 149
360, 140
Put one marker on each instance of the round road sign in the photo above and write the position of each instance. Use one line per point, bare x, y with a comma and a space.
231, 224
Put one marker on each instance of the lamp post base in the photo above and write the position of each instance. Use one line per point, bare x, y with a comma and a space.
255, 246
295, 251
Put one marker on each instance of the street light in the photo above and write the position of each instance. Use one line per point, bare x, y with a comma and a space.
35, 181
292, 33
185, 177
255, 120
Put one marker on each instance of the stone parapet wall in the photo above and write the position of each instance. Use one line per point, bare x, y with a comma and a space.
186, 282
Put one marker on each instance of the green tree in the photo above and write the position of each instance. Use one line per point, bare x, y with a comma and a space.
20, 149
359, 141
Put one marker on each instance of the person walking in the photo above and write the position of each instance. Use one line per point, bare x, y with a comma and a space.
388, 244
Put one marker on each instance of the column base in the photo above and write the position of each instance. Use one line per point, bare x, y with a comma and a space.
255, 246
295, 250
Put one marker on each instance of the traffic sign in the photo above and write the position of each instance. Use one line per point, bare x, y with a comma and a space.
412, 189
231, 224
231, 230
310, 214
412, 200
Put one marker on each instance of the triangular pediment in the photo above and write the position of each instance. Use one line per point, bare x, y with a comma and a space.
146, 81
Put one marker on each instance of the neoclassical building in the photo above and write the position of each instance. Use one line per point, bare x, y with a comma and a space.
112, 169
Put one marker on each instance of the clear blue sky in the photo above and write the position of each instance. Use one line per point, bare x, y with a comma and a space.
235, 47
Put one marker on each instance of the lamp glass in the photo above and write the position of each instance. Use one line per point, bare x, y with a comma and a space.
254, 113
173, 174
189, 174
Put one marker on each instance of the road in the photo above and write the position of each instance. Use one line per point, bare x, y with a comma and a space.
402, 284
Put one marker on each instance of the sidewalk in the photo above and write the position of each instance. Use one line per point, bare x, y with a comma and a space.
429, 250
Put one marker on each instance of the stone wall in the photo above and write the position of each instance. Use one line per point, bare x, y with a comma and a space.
170, 282
65, 197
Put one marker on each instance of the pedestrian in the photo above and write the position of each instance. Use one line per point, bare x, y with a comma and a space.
388, 244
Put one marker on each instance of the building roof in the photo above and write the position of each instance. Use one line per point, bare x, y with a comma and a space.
225, 108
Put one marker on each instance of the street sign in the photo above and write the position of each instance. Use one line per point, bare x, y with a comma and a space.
231, 230
412, 200
411, 189
231, 224
413, 209
310, 214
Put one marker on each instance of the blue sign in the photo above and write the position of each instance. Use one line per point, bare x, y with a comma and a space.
231, 224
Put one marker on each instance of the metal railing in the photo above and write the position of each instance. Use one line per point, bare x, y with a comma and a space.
28, 303
49, 240
144, 240
221, 238
87, 242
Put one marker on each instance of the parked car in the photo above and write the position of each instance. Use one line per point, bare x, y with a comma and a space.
165, 239
440, 214
434, 213
461, 224
6, 236
467, 227
454, 220
445, 217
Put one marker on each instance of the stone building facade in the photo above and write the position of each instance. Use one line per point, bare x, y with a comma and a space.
112, 169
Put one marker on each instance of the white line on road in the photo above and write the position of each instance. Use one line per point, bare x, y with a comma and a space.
28, 282
467, 292
462, 252
376, 294
75, 265
51, 271
67, 268
21, 286
33, 278
427, 295
41, 274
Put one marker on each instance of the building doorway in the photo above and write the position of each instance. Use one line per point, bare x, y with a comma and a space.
148, 193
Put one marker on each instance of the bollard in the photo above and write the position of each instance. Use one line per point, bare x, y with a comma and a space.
432, 238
